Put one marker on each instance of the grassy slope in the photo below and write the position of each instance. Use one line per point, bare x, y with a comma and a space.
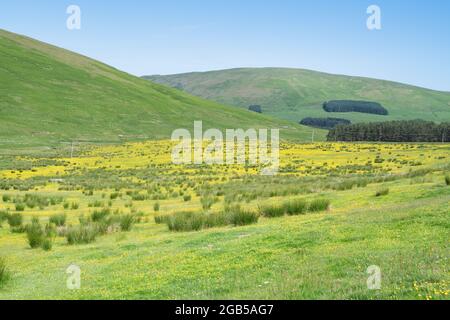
48, 95
295, 94
316, 256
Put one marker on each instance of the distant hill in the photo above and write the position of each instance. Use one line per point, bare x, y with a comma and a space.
49, 95
295, 94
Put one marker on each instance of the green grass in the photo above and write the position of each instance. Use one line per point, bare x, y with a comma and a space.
314, 256
294, 94
50, 96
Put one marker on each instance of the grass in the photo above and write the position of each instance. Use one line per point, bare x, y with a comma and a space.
447, 180
153, 111
382, 192
231, 251
4, 273
297, 94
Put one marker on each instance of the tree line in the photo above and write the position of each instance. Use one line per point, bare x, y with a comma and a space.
392, 131
324, 123
355, 106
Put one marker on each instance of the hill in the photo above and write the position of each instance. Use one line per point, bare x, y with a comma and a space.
49, 95
295, 94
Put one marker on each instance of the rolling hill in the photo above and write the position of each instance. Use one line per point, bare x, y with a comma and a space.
294, 94
49, 95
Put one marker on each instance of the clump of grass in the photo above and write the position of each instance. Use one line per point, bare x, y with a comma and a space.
47, 244
15, 220
6, 198
156, 207
82, 234
4, 273
126, 222
272, 211
100, 215
319, 205
58, 220
161, 219
447, 180
20, 207
3, 216
74, 206
239, 217
35, 234
187, 198
295, 207
382, 192
186, 221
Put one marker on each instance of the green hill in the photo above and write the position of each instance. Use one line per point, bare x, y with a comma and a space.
295, 94
49, 95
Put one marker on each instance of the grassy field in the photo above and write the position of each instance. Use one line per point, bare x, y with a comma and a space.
49, 96
388, 206
294, 94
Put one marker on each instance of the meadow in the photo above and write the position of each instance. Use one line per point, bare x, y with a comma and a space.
140, 227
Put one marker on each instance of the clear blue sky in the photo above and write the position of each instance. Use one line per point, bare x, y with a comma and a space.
173, 36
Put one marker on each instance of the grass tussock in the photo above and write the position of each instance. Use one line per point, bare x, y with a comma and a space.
4, 272
382, 192
447, 180
294, 207
58, 220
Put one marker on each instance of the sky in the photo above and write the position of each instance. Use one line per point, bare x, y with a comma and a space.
146, 37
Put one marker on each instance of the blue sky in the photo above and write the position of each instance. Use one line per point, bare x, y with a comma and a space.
174, 36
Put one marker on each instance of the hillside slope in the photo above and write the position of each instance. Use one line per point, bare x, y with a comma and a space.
295, 94
49, 95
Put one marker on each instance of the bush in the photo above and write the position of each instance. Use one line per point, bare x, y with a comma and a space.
272, 211
15, 220
295, 207
382, 192
58, 220
447, 180
4, 273
319, 205
35, 234
82, 234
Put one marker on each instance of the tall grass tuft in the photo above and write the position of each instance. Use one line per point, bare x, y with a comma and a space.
447, 180
295, 207
319, 205
15, 220
81, 234
35, 234
186, 221
239, 217
126, 222
58, 220
382, 192
272, 211
4, 273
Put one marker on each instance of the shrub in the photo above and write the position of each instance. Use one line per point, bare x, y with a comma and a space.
272, 211
58, 220
295, 207
156, 207
4, 273
82, 234
319, 205
15, 220
447, 180
35, 234
382, 192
